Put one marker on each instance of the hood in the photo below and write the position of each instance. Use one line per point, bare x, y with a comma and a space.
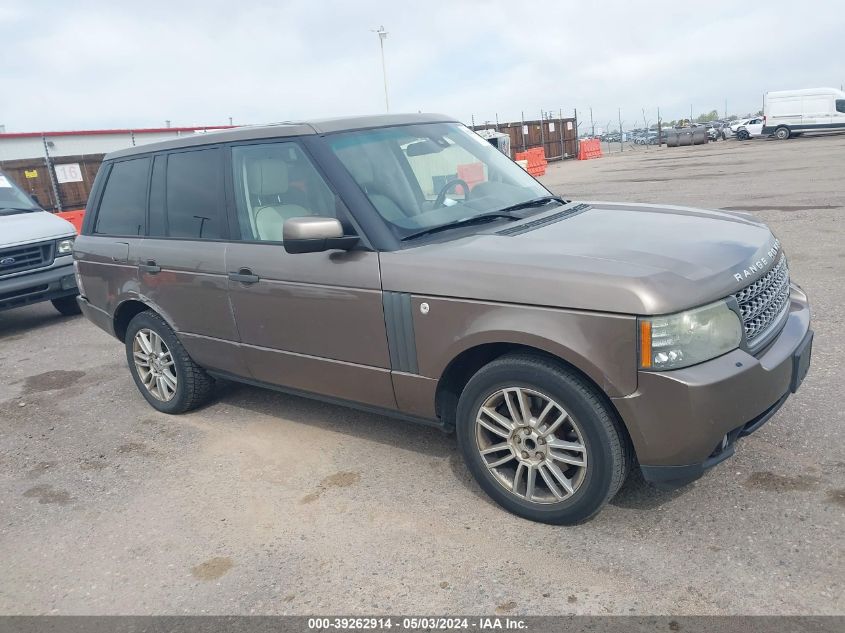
23, 228
625, 258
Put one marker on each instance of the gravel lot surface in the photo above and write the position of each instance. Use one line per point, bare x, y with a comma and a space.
266, 503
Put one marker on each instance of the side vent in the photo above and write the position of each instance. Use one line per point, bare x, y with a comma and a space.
400, 332
549, 219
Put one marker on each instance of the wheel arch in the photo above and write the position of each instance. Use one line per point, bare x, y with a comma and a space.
127, 310
466, 364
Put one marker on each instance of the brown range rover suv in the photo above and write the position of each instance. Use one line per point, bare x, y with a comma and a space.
401, 264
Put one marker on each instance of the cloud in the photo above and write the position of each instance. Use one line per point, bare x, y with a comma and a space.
113, 64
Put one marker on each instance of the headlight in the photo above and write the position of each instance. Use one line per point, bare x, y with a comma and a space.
64, 247
694, 336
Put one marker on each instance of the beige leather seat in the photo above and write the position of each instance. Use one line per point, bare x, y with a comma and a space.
364, 174
267, 179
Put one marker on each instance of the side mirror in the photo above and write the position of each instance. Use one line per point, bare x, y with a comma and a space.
315, 235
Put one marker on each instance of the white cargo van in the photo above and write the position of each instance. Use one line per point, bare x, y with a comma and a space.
792, 112
36, 261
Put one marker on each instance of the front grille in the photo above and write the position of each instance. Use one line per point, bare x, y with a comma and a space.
764, 301
20, 258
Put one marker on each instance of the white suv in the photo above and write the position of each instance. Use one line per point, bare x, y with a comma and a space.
750, 129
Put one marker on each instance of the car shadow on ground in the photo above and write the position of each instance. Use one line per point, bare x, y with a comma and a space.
19, 321
364, 425
635, 494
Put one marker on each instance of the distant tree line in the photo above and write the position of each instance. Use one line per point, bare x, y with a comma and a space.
707, 117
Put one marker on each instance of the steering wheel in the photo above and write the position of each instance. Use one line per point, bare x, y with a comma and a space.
441, 197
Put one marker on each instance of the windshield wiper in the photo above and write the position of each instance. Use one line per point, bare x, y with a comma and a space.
534, 202
475, 219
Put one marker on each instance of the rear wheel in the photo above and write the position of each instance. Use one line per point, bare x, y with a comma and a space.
743, 135
67, 306
782, 133
163, 372
540, 440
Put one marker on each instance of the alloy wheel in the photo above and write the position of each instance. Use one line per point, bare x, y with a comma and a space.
531, 446
154, 364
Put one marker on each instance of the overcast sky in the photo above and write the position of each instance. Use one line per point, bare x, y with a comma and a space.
88, 65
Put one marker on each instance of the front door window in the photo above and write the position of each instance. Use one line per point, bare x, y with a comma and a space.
275, 182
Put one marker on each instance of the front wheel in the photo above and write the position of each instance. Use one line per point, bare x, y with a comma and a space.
540, 440
67, 306
165, 375
782, 133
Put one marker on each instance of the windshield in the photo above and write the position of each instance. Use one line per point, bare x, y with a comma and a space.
419, 177
12, 199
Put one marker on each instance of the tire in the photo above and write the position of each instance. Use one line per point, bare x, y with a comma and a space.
605, 453
782, 133
743, 135
193, 386
67, 306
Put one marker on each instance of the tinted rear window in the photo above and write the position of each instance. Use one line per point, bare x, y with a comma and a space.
193, 194
123, 207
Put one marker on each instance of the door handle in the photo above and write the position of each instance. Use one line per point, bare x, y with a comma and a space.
150, 267
244, 276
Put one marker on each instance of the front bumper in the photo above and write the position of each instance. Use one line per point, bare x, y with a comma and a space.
686, 421
44, 285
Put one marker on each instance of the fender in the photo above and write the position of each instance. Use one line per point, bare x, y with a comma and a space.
603, 346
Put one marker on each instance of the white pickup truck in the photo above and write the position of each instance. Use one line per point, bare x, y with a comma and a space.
36, 253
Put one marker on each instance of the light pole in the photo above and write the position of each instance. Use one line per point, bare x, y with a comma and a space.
382, 35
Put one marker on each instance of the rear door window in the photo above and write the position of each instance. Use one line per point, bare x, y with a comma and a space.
123, 208
194, 194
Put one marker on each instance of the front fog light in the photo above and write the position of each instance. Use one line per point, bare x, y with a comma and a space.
64, 247
68, 282
686, 338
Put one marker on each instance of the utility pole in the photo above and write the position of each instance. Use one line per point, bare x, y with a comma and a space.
382, 35
560, 133
645, 123
621, 134
659, 129
48, 161
577, 139
522, 119
542, 132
